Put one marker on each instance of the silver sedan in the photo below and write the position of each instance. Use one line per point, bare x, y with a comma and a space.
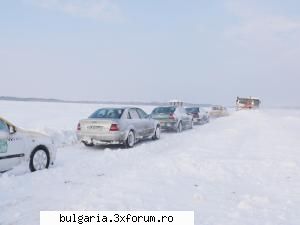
117, 126
172, 118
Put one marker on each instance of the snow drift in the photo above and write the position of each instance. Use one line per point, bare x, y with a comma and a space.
238, 170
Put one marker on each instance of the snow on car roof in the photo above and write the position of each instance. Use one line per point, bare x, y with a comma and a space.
176, 102
255, 98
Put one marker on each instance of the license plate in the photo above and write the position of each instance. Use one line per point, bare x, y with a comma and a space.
93, 127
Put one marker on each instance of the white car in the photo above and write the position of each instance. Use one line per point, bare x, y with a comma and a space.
218, 111
18, 145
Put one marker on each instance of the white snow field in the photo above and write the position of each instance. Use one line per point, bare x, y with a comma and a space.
238, 170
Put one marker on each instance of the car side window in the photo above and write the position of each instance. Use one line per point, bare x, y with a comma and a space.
3, 126
141, 113
133, 114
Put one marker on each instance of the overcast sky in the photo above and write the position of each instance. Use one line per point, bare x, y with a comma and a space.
199, 51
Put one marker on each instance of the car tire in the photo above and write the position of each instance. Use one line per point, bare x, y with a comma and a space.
130, 141
179, 127
156, 135
39, 159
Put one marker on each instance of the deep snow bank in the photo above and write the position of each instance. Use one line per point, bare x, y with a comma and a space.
238, 170
58, 120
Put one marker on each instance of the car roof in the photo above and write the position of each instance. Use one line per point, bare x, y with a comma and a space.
168, 106
123, 108
114, 108
9, 123
1, 118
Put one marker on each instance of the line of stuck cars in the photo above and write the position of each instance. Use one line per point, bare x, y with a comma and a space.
125, 126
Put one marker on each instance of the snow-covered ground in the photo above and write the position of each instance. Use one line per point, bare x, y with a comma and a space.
238, 170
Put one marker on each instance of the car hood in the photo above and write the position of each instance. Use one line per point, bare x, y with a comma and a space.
32, 133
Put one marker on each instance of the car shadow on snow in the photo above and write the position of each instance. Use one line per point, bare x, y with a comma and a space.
104, 147
117, 147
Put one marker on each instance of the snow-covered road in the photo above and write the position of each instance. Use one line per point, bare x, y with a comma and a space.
240, 170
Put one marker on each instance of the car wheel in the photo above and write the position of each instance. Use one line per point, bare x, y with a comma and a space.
39, 159
156, 135
179, 127
130, 141
88, 144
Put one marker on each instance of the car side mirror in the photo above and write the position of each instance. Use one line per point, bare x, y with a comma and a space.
12, 129
4, 134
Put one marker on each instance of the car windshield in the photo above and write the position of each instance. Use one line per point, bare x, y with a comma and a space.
164, 110
255, 102
192, 110
107, 114
3, 126
244, 100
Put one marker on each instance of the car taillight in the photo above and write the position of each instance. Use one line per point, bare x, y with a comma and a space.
114, 127
172, 117
78, 127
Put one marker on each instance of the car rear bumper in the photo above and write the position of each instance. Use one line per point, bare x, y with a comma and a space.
196, 120
115, 137
168, 125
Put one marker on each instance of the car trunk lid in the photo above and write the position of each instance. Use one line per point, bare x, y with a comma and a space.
96, 125
163, 117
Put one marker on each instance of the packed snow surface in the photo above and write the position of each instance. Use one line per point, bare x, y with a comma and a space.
243, 169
